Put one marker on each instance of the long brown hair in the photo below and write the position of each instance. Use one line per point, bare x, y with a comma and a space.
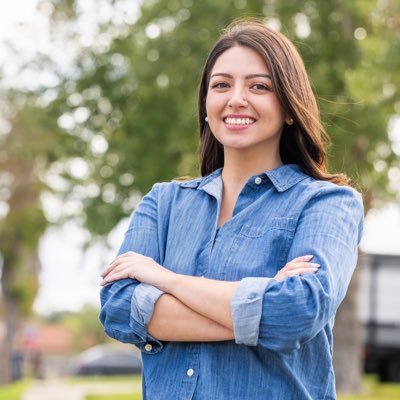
305, 142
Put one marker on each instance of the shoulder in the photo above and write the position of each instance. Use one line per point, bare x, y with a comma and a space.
325, 189
335, 203
166, 192
175, 185
304, 188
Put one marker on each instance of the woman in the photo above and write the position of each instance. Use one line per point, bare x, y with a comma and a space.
199, 285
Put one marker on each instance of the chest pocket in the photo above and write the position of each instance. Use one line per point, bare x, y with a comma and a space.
260, 251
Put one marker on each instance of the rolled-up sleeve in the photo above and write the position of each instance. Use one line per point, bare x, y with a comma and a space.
282, 315
125, 313
247, 304
144, 299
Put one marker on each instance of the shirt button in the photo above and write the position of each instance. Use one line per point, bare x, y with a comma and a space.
258, 180
190, 372
148, 347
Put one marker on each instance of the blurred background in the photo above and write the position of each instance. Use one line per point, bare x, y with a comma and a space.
98, 102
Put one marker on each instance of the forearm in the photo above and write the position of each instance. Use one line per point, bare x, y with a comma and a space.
209, 298
175, 322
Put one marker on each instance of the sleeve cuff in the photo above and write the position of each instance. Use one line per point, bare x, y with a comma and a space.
143, 300
247, 304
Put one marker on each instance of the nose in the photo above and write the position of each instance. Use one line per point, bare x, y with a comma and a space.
238, 98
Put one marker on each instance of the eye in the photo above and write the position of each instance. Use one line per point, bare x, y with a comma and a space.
260, 87
219, 85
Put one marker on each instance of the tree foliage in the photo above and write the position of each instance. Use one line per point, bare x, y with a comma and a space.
139, 93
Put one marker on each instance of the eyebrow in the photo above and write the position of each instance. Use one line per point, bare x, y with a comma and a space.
251, 76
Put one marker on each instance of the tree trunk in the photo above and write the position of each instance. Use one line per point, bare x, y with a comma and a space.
11, 321
347, 355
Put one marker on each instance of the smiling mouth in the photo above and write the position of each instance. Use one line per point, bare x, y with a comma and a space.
239, 121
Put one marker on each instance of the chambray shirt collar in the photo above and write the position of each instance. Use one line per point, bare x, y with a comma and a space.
286, 176
283, 178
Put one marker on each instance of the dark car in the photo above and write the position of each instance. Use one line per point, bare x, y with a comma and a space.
108, 360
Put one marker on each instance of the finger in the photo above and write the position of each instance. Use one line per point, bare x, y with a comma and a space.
120, 266
291, 266
125, 267
300, 271
308, 257
113, 264
127, 254
107, 270
115, 277
283, 274
117, 261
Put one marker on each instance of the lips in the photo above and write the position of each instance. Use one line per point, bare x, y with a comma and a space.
240, 121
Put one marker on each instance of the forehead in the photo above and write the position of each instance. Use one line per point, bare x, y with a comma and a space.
240, 60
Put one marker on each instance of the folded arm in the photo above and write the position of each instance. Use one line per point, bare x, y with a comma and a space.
296, 310
127, 306
175, 322
196, 309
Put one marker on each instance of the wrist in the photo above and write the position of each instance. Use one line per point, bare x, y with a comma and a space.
169, 281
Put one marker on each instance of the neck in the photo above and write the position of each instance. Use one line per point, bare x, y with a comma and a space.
239, 167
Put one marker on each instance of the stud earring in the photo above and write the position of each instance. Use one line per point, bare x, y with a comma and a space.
206, 119
290, 122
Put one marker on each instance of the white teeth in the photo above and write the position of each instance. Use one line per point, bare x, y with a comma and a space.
239, 121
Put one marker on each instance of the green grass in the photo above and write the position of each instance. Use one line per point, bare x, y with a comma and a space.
120, 396
374, 390
103, 378
115, 397
111, 379
14, 391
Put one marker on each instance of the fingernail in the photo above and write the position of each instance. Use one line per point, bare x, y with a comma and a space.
308, 257
314, 265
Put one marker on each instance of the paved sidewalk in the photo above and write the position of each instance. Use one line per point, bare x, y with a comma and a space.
53, 391
59, 390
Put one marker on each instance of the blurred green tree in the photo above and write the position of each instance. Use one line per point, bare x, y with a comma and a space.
21, 160
138, 89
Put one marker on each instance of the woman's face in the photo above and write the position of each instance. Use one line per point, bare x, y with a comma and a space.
242, 109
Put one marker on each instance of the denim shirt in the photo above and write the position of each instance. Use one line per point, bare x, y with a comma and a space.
283, 330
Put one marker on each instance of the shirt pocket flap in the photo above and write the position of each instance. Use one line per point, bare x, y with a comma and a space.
279, 223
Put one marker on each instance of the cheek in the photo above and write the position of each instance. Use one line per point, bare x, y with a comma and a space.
209, 106
277, 108
270, 110
214, 104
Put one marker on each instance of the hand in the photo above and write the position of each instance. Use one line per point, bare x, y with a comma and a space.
136, 266
298, 266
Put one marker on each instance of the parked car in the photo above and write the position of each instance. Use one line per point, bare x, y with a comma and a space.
107, 360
